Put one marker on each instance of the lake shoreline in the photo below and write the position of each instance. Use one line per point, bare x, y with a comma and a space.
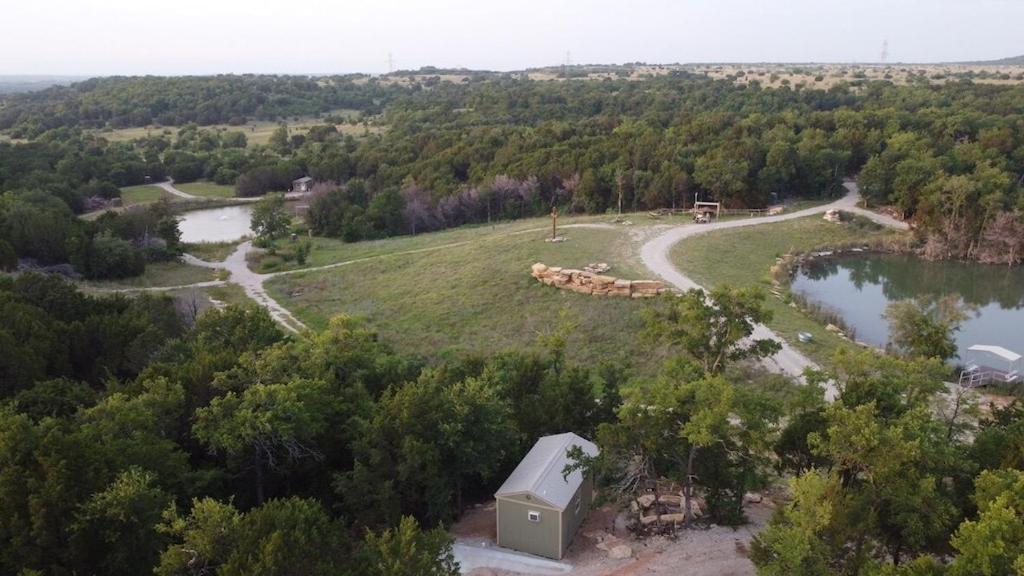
852, 288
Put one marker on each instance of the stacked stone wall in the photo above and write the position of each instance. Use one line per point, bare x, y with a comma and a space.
585, 282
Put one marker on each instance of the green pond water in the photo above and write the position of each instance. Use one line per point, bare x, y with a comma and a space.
860, 286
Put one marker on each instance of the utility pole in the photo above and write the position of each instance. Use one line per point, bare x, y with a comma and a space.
554, 223
391, 63
885, 51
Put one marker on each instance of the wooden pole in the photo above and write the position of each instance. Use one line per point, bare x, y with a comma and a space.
554, 222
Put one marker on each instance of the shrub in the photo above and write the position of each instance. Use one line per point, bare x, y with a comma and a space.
8, 259
112, 257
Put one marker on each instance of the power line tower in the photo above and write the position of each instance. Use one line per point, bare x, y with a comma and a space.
885, 52
568, 58
391, 62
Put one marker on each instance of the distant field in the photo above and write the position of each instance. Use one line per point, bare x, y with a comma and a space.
476, 296
144, 194
207, 189
743, 257
824, 76
256, 132
820, 76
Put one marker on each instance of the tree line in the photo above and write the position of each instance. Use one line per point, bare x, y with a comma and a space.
120, 102
949, 157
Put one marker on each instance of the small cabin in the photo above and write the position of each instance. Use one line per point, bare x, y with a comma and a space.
538, 509
304, 184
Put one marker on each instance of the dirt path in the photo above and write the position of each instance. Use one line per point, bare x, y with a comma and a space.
655, 255
206, 284
252, 283
168, 186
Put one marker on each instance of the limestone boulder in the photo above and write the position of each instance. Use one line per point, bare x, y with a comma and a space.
671, 499
605, 541
646, 500
647, 286
538, 269
648, 520
620, 552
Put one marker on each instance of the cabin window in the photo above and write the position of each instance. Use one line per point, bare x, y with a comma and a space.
533, 516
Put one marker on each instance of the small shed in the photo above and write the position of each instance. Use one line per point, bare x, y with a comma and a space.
539, 509
304, 184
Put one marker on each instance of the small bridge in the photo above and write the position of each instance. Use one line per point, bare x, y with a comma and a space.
980, 370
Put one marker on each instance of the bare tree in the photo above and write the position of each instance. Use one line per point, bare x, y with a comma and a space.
1003, 240
417, 211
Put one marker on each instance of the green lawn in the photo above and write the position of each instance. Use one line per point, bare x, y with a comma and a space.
477, 296
207, 189
144, 194
743, 257
159, 274
229, 294
332, 250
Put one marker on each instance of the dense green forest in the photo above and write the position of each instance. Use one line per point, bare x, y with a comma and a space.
175, 101
135, 438
949, 157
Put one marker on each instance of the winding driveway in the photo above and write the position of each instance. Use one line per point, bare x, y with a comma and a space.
655, 255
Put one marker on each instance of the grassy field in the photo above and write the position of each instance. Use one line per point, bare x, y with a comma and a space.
229, 294
160, 274
207, 189
332, 250
477, 295
256, 132
743, 257
144, 194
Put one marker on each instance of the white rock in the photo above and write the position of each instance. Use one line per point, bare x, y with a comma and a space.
620, 552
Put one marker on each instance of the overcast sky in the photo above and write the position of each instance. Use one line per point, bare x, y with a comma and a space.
100, 37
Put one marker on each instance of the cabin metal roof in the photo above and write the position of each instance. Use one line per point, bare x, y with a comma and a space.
540, 471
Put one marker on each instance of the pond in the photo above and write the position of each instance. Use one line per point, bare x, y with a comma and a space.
216, 224
859, 287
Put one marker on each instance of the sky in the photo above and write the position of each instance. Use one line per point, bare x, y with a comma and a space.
105, 37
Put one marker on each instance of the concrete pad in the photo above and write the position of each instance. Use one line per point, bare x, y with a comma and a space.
473, 555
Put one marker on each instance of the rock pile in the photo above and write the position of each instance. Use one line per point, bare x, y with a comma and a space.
585, 282
662, 513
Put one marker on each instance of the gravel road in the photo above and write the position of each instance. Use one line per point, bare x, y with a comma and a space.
655, 255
